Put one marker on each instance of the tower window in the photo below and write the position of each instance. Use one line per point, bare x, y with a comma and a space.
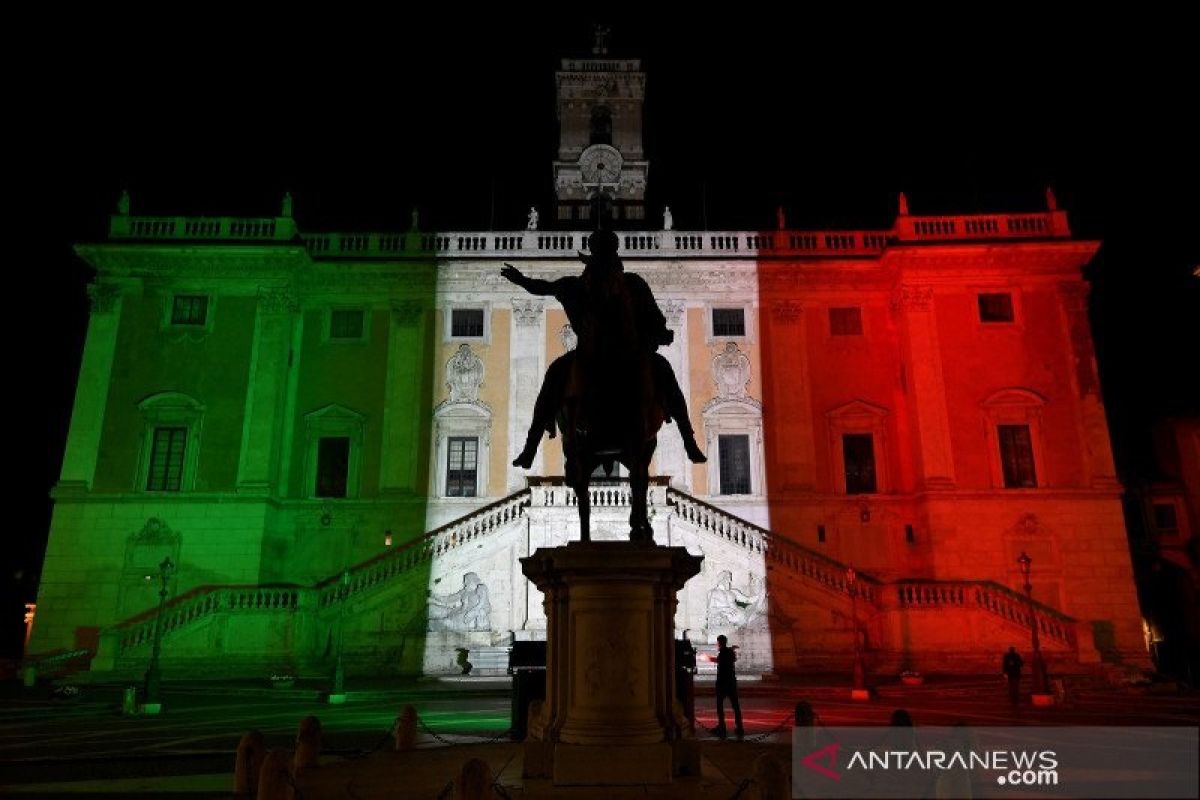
189, 309
1016, 456
729, 322
333, 466
734, 463
996, 307
858, 453
845, 321
821, 534
462, 464
601, 125
166, 460
466, 322
910, 535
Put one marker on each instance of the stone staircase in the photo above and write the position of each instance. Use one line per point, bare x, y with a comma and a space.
127, 643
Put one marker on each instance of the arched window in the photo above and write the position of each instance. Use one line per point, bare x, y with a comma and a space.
601, 125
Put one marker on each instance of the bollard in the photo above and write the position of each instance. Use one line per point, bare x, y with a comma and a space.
129, 703
29, 676
275, 777
406, 730
308, 744
771, 779
804, 731
474, 781
251, 751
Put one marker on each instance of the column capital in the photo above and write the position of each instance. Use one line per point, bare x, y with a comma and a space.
277, 300
406, 312
912, 297
527, 312
673, 310
102, 297
1074, 295
786, 312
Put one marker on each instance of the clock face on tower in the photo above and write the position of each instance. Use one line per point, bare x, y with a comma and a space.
600, 163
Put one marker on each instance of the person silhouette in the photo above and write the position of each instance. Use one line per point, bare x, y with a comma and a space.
1011, 667
727, 688
579, 296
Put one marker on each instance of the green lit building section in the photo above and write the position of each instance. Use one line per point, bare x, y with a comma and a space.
220, 354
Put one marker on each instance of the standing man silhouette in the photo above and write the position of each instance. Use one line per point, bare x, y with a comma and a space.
727, 688
1012, 670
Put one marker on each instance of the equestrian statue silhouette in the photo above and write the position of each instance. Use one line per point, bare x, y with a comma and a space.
612, 393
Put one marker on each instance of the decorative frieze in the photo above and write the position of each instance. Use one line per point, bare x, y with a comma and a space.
155, 531
731, 373
464, 375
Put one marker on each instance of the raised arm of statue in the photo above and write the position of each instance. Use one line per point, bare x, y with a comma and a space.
534, 286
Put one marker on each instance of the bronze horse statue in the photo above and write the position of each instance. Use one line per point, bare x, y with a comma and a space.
611, 395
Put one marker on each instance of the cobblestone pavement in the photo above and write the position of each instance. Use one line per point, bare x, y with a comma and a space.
44, 743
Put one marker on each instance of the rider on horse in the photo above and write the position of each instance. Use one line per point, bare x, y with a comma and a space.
614, 316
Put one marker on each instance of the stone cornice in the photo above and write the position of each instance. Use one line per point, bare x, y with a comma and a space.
1064, 255
217, 261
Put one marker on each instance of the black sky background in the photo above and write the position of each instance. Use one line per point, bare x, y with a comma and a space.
362, 117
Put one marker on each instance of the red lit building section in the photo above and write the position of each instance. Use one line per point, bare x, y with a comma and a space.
931, 410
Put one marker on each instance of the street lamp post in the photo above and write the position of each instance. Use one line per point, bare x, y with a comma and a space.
153, 673
859, 692
1040, 684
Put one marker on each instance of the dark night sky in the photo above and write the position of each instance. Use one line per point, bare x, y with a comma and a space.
363, 117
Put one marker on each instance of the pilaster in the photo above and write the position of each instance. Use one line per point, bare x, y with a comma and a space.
526, 370
914, 305
91, 393
404, 409
265, 394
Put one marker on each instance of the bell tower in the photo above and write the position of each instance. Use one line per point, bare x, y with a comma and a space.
600, 172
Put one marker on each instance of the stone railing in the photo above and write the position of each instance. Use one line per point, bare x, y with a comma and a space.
990, 597
1039, 225
831, 574
603, 492
204, 602
202, 228
526, 244
382, 568
63, 657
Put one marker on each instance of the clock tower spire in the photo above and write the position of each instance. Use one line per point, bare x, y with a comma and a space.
600, 172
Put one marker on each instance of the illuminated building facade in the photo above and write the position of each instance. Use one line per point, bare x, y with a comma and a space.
318, 429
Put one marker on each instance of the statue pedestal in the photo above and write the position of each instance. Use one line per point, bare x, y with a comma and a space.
609, 717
